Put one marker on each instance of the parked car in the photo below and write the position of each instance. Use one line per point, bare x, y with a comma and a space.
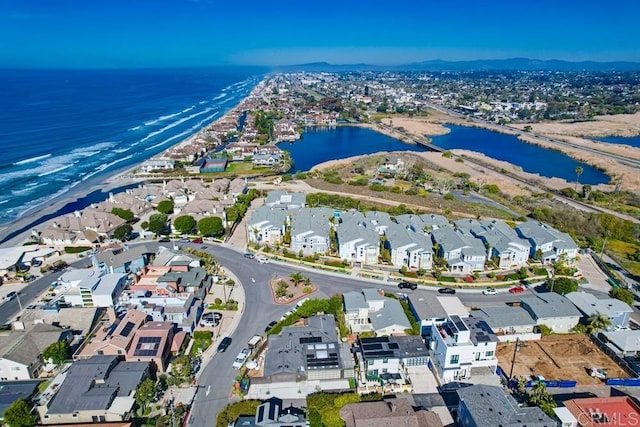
447, 291
224, 344
516, 290
263, 260
241, 358
489, 291
197, 240
407, 285
270, 326
249, 255
164, 240
11, 295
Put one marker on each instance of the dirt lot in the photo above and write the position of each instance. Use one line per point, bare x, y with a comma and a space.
559, 357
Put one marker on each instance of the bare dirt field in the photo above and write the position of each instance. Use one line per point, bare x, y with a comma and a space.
559, 357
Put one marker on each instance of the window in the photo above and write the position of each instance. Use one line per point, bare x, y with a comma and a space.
489, 353
385, 360
455, 358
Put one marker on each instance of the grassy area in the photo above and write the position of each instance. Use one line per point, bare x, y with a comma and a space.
201, 341
619, 250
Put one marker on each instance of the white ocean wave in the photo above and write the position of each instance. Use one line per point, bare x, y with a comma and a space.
135, 128
28, 188
32, 159
105, 166
162, 119
61, 168
176, 123
222, 95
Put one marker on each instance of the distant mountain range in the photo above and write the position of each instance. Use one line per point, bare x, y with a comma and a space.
512, 64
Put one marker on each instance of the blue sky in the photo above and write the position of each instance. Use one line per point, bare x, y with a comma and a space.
150, 33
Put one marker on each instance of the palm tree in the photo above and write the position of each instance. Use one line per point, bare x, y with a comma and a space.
306, 280
598, 321
296, 277
579, 171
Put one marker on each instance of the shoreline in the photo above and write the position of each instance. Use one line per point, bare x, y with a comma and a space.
17, 232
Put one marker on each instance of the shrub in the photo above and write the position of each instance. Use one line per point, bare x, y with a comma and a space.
217, 301
468, 279
545, 330
307, 290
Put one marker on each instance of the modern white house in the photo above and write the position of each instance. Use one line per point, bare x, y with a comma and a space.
356, 312
357, 240
310, 230
267, 225
407, 248
459, 346
96, 289
548, 242
463, 253
502, 242
430, 311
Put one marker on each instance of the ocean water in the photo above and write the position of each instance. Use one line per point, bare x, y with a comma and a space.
60, 128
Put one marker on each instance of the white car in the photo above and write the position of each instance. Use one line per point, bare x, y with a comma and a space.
263, 260
240, 359
599, 373
489, 291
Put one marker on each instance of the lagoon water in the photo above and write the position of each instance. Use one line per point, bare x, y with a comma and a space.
323, 144
531, 158
633, 141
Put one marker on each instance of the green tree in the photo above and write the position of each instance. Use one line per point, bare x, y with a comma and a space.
122, 232
165, 206
579, 171
18, 414
125, 214
540, 397
296, 277
211, 226
184, 224
597, 322
145, 393
181, 369
158, 223
564, 285
622, 295
57, 352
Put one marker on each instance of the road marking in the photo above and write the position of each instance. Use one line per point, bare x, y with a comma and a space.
206, 393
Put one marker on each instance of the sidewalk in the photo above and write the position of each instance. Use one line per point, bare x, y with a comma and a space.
230, 319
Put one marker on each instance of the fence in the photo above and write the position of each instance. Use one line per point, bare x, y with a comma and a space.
614, 356
627, 382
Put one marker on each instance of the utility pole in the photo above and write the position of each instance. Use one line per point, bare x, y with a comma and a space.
513, 359
603, 245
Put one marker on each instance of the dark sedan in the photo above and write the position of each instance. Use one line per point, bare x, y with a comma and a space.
447, 291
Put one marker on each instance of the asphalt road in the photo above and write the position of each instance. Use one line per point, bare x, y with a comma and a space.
217, 376
260, 309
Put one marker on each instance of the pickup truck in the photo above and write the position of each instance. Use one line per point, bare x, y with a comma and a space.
241, 358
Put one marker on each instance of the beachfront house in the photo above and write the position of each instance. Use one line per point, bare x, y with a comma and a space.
157, 164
